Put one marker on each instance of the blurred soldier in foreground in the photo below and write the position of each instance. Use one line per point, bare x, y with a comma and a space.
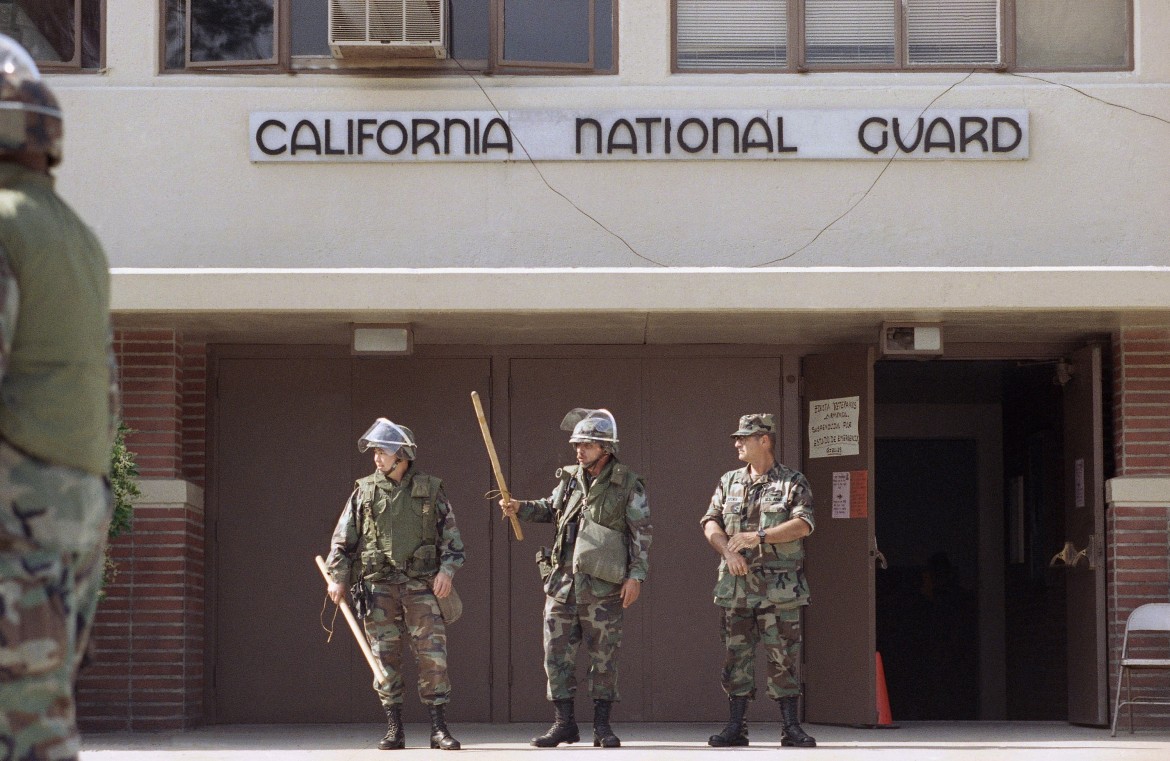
757, 521
594, 571
397, 547
58, 403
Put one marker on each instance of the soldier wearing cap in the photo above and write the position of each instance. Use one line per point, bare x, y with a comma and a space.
594, 570
757, 520
58, 409
396, 543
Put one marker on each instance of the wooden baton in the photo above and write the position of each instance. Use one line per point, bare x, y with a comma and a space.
375, 664
491, 448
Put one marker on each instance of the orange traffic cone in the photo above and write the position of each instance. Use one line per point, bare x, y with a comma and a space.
885, 718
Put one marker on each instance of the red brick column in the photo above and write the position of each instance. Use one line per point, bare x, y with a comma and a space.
148, 636
1138, 517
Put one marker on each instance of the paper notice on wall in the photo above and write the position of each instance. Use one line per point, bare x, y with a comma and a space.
850, 494
841, 494
1079, 478
832, 427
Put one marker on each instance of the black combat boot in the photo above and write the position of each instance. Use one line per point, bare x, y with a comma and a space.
603, 736
395, 738
735, 734
440, 735
563, 730
792, 734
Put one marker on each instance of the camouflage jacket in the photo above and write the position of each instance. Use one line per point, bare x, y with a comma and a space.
558, 509
740, 503
346, 544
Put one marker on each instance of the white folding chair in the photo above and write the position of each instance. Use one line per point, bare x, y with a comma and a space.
1151, 617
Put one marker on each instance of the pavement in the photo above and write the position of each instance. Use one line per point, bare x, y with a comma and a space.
912, 741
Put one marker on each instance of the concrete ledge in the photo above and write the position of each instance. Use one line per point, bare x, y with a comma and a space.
170, 491
1138, 491
673, 289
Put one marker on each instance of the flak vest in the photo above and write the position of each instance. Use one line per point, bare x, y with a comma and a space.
55, 396
607, 503
398, 527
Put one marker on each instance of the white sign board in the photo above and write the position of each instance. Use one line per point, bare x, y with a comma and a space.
832, 427
638, 135
841, 494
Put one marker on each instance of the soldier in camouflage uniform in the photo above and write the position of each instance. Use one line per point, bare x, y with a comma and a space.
58, 404
757, 520
601, 490
397, 538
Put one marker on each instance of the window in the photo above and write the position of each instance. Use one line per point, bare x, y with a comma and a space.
59, 34
802, 35
539, 36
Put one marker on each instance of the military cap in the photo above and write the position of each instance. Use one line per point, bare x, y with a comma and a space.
756, 422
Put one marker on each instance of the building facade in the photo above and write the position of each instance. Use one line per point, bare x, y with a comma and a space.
931, 237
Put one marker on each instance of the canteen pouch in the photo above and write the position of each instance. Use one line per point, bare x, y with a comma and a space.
451, 607
424, 563
544, 563
359, 595
600, 552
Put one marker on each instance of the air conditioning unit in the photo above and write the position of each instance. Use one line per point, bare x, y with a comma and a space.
371, 30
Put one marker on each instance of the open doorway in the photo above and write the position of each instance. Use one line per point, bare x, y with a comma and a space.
970, 618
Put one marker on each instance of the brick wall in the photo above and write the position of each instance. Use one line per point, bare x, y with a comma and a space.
1141, 401
1138, 528
148, 637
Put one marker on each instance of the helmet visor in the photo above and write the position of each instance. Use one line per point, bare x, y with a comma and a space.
15, 62
590, 425
386, 435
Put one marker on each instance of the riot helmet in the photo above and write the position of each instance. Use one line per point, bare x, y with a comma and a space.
396, 440
30, 118
592, 425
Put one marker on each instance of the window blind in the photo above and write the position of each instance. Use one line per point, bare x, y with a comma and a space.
850, 31
732, 34
953, 31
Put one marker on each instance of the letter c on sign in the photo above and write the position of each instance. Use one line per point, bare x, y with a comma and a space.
260, 137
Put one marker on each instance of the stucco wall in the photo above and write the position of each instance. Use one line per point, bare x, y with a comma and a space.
159, 165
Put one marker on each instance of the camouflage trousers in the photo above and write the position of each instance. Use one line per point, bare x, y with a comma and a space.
401, 613
599, 622
53, 525
779, 630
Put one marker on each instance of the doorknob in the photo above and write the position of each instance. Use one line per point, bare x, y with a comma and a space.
877, 555
1069, 555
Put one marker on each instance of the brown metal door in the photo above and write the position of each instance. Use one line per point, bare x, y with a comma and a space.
693, 406
839, 624
285, 435
282, 468
541, 392
1084, 556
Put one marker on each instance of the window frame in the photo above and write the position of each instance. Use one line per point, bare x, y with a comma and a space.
797, 63
74, 65
284, 62
278, 34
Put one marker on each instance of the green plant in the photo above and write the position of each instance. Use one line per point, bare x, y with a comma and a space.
124, 483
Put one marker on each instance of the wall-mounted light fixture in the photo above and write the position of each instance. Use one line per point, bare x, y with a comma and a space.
382, 339
910, 339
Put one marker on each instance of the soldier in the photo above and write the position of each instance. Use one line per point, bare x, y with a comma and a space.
594, 571
757, 521
397, 540
58, 405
